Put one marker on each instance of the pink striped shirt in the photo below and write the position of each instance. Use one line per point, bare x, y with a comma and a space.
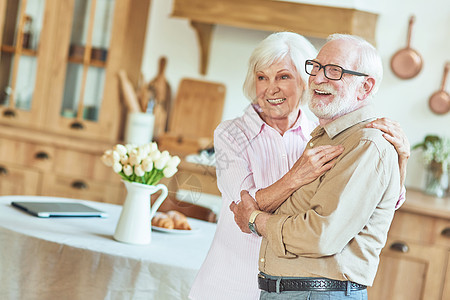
250, 155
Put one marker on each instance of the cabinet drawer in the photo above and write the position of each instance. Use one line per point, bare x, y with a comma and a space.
82, 188
442, 232
409, 271
84, 165
15, 180
26, 154
413, 227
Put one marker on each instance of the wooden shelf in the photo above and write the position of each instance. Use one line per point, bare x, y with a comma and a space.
23, 51
309, 20
93, 62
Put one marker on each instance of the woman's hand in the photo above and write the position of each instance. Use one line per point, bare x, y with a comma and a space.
313, 163
394, 134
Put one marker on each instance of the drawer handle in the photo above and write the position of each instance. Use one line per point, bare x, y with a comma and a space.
9, 113
79, 185
446, 232
42, 155
3, 171
400, 247
77, 125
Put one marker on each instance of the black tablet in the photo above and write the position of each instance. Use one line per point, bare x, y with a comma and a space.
58, 209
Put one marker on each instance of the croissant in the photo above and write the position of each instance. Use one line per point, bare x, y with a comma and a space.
180, 221
162, 220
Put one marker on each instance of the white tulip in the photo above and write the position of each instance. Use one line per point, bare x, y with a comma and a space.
144, 149
121, 149
174, 161
153, 147
155, 155
130, 147
116, 155
128, 170
162, 161
117, 167
134, 159
139, 170
124, 160
107, 160
169, 171
147, 164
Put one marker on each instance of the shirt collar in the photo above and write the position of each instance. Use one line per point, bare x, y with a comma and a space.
255, 124
346, 121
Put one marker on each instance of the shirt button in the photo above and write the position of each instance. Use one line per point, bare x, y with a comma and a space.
311, 144
262, 259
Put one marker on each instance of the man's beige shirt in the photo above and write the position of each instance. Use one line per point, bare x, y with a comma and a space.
336, 226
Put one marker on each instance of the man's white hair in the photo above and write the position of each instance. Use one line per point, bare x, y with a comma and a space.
369, 60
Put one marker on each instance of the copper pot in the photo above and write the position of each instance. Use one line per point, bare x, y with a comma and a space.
407, 62
440, 101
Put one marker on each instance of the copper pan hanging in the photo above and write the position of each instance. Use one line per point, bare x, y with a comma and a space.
407, 62
440, 101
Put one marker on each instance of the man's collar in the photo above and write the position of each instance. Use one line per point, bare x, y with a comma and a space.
342, 123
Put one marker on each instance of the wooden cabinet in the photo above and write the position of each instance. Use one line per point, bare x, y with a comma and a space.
415, 261
65, 80
60, 100
310, 20
16, 180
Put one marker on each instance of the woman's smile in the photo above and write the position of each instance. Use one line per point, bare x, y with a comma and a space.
276, 101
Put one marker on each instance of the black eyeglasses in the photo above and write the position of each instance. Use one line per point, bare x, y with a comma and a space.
332, 72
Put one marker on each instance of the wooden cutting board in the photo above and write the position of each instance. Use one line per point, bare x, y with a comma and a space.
196, 112
197, 109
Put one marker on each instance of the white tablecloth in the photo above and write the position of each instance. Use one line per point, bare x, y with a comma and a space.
77, 258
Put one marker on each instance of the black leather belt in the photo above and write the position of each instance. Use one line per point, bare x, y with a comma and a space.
313, 284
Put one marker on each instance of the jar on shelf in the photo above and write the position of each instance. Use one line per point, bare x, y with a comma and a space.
436, 179
27, 41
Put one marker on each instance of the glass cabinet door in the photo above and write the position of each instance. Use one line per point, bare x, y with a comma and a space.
88, 56
22, 23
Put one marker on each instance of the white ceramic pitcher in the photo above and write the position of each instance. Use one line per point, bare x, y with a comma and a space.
134, 226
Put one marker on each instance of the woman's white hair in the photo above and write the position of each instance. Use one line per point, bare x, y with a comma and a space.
273, 48
369, 60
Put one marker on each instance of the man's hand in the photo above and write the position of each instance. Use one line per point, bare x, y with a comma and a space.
243, 210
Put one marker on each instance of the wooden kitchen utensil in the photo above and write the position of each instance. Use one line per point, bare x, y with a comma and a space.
162, 95
129, 95
407, 62
440, 101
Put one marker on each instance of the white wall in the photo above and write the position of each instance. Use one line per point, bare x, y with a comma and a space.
402, 100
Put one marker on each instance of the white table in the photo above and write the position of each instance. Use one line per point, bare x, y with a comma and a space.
77, 258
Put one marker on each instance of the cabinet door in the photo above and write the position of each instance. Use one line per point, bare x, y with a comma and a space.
24, 42
18, 181
446, 292
409, 271
103, 37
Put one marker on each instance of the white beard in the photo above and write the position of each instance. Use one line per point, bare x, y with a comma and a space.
341, 104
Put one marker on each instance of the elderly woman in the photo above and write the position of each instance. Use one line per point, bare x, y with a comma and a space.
263, 152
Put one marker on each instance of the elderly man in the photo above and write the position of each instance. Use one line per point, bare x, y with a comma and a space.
324, 241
